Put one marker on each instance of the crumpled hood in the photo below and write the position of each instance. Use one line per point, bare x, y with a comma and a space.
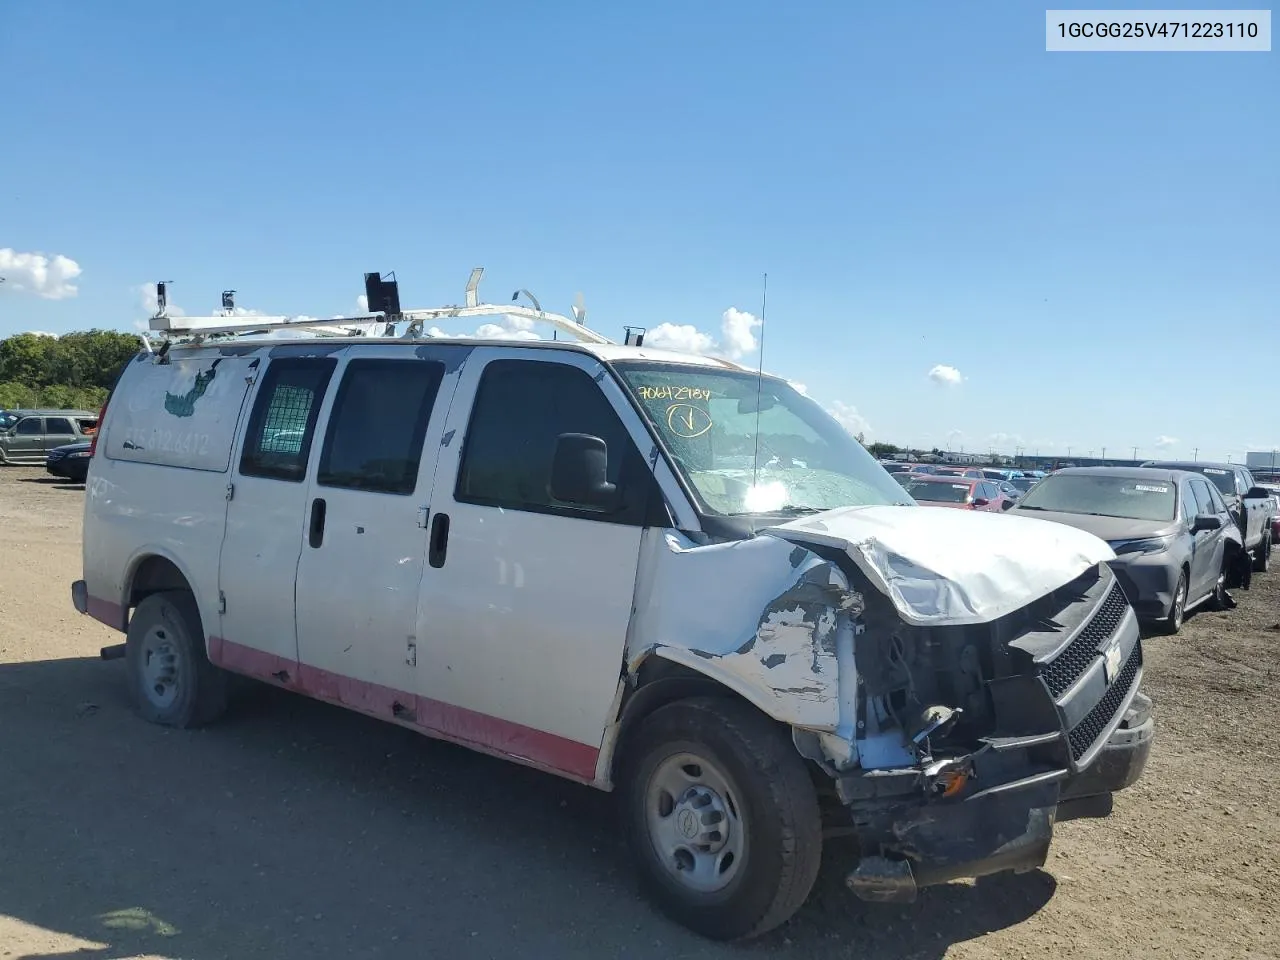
952, 566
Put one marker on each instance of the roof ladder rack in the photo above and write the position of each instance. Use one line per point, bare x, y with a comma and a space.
229, 323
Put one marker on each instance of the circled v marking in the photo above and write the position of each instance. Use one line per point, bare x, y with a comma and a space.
686, 420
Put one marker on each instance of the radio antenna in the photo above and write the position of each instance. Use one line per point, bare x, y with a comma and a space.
755, 460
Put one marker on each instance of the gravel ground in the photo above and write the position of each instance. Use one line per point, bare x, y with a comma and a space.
295, 830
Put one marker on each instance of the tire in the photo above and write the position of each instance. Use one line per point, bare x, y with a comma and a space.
1262, 556
1178, 609
170, 676
723, 758
1218, 599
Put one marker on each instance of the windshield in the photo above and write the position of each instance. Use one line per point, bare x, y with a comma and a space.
1128, 497
939, 492
1224, 480
707, 419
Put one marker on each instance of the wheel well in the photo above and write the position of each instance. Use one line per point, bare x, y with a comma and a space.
661, 682
154, 575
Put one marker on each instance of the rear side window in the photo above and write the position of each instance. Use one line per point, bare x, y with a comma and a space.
30, 427
278, 441
379, 418
521, 408
58, 425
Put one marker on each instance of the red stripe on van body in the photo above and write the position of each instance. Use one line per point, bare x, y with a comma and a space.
444, 721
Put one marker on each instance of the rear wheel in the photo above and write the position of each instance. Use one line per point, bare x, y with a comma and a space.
172, 680
721, 816
1177, 610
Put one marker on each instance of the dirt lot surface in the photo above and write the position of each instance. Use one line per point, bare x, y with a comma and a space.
295, 830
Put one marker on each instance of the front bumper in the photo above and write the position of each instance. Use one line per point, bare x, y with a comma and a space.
1085, 732
69, 468
1005, 827
1149, 583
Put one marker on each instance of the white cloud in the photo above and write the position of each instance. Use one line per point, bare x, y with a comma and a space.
41, 333
514, 329
682, 338
847, 415
1164, 443
799, 387
944, 374
362, 303
47, 277
737, 328
737, 336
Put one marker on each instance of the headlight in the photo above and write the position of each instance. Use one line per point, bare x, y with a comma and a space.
79, 454
1141, 547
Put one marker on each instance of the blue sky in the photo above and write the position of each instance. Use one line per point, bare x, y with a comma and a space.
1092, 241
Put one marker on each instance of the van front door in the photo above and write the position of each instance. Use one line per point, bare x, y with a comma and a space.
526, 601
266, 521
365, 547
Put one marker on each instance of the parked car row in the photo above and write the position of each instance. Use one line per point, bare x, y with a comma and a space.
1183, 533
997, 489
30, 436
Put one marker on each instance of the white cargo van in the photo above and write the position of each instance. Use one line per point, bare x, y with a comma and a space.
648, 572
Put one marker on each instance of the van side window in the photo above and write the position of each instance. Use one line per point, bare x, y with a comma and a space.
30, 427
521, 408
380, 415
278, 441
58, 425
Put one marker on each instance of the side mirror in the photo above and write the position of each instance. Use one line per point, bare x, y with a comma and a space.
1206, 521
579, 471
1258, 493
981, 501
1006, 505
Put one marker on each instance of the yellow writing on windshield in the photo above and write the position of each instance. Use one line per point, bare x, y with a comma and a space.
686, 420
670, 391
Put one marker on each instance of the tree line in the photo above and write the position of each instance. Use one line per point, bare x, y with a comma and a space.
71, 372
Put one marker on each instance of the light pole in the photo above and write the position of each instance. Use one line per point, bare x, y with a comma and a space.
1135, 453
1195, 454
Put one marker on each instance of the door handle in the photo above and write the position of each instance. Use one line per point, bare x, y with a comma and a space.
439, 545
315, 535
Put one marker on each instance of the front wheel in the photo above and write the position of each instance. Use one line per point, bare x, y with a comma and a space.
1177, 610
1220, 599
721, 816
1262, 557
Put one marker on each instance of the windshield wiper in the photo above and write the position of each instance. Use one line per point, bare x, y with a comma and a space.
1025, 506
790, 510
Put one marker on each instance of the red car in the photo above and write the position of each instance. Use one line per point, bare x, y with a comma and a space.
973, 472
964, 493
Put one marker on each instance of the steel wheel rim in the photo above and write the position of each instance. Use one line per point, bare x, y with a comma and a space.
694, 819
160, 673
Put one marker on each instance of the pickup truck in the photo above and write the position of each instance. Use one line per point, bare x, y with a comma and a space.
1252, 507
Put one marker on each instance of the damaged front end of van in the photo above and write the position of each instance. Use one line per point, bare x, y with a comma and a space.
962, 689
